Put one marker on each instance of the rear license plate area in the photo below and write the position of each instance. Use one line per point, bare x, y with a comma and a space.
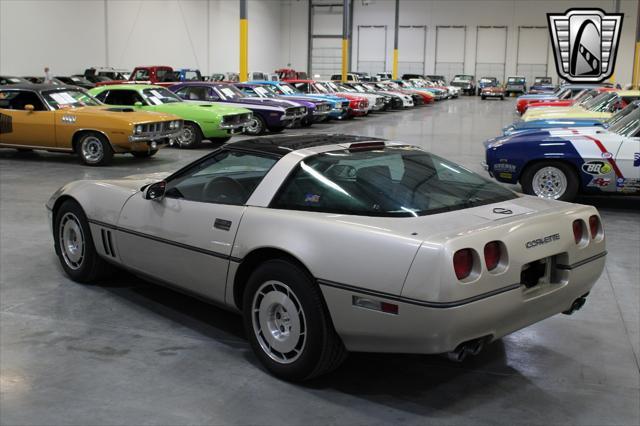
536, 272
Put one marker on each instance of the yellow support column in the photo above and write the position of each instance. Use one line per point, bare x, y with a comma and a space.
636, 67
345, 59
244, 42
394, 71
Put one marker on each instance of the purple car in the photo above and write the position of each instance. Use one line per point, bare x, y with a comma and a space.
268, 114
319, 110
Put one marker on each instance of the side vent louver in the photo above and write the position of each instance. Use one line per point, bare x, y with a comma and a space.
107, 243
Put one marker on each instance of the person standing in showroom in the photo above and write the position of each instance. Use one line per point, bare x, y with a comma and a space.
47, 76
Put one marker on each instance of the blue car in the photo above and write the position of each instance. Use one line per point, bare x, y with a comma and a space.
524, 126
561, 163
340, 106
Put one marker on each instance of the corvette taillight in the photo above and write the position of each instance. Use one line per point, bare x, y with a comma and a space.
492, 254
594, 226
577, 231
463, 263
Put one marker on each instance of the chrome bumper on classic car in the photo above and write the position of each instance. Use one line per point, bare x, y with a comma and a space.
294, 113
235, 123
431, 327
145, 138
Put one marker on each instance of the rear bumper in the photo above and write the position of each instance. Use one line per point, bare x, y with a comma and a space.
420, 327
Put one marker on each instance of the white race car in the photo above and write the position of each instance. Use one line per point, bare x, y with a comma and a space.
334, 243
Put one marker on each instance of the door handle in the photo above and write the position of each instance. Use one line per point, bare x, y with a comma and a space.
223, 224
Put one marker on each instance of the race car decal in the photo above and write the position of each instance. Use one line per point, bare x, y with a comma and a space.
596, 168
610, 159
6, 125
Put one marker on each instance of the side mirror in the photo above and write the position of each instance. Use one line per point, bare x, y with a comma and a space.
155, 191
137, 104
29, 107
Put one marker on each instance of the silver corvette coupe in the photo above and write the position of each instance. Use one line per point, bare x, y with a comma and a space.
335, 243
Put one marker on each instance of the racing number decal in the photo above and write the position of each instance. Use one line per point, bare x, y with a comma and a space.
5, 124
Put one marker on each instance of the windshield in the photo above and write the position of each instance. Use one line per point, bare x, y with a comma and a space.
227, 92
629, 125
63, 99
288, 89
541, 80
601, 102
516, 80
487, 80
615, 118
320, 87
159, 96
463, 78
192, 76
391, 181
264, 92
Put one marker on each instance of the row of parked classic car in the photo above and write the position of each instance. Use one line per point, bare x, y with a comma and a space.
145, 111
578, 139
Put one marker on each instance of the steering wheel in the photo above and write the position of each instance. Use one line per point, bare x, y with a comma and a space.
224, 190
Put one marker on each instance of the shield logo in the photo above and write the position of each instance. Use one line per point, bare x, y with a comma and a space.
585, 44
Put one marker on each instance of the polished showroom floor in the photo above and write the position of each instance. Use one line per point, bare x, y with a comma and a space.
129, 352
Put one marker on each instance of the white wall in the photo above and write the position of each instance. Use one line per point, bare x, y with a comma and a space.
472, 13
69, 35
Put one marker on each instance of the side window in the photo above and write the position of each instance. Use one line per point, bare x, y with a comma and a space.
197, 93
303, 87
227, 178
102, 96
141, 74
17, 100
123, 97
248, 91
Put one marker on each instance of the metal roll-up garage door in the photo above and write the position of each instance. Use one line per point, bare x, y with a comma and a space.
412, 41
450, 50
533, 52
491, 52
372, 49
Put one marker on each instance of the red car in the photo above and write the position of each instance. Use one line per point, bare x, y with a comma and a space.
358, 105
562, 93
161, 75
578, 98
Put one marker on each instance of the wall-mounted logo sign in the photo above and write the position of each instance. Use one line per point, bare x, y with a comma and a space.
585, 43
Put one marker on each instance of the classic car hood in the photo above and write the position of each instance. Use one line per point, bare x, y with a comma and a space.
568, 113
264, 102
199, 106
125, 113
538, 96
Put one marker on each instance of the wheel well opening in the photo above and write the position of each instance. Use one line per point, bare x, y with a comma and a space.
532, 163
77, 135
58, 203
251, 262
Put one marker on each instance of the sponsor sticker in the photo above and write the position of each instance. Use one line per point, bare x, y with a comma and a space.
636, 159
504, 167
599, 182
597, 168
312, 198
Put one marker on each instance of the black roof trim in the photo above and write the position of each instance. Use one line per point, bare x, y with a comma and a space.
282, 145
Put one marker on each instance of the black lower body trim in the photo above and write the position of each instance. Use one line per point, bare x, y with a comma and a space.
408, 300
165, 241
582, 262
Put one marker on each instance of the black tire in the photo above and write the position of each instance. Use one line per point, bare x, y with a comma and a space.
277, 129
191, 136
483, 97
502, 98
320, 350
573, 184
258, 126
91, 267
94, 149
221, 140
23, 150
306, 122
144, 154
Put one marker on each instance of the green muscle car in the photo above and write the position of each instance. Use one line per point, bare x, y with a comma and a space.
202, 120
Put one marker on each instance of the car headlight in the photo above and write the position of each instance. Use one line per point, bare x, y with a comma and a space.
138, 129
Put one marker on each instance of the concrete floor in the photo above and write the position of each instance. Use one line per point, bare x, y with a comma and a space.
132, 353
